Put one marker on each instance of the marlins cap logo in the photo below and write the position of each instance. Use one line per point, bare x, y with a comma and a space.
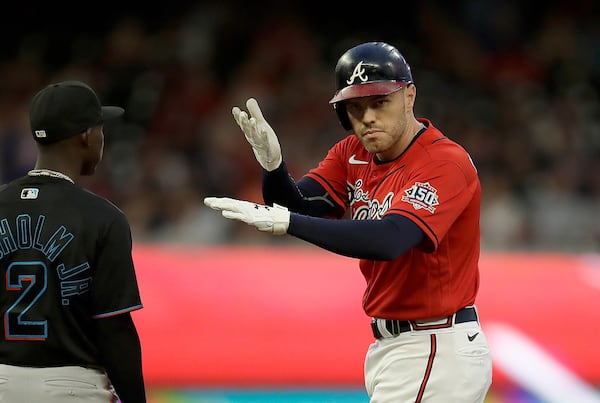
359, 72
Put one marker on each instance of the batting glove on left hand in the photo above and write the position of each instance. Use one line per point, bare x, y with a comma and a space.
259, 134
274, 219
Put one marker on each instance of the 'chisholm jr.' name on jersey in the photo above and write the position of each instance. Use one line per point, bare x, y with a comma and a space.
74, 280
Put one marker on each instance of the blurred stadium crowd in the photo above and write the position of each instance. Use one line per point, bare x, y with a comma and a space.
518, 86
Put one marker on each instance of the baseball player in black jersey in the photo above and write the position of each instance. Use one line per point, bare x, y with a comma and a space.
67, 279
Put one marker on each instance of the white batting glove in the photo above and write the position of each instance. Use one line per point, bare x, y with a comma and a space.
274, 219
259, 134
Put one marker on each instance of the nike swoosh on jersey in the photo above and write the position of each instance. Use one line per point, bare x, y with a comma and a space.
354, 161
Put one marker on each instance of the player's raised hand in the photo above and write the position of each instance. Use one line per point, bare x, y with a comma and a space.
274, 219
259, 134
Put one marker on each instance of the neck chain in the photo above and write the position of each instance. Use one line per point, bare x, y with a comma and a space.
48, 172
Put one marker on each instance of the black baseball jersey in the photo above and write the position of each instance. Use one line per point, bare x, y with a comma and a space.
65, 262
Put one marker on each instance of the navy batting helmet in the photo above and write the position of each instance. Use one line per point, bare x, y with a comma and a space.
371, 68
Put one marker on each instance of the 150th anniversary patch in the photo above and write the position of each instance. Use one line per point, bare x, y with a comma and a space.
422, 196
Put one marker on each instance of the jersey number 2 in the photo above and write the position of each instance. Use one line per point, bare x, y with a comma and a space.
29, 280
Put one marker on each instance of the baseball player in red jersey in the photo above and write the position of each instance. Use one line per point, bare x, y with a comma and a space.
414, 198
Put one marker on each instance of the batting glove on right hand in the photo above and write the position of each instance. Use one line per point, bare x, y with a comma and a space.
259, 134
274, 219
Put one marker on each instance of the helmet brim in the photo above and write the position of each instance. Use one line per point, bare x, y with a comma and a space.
368, 89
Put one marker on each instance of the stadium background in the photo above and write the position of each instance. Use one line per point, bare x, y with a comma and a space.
516, 84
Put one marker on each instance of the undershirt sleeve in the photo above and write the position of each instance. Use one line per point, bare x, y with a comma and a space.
306, 196
384, 239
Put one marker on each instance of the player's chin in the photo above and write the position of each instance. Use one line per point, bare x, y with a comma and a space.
373, 145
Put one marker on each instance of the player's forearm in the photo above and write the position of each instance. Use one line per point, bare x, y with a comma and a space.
384, 239
126, 376
130, 389
305, 196
279, 187
121, 355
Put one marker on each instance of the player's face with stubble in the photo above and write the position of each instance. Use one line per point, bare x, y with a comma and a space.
380, 123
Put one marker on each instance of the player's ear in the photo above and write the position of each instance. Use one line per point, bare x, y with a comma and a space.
411, 93
85, 136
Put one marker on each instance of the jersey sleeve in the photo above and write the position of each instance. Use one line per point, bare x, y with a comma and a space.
435, 196
115, 289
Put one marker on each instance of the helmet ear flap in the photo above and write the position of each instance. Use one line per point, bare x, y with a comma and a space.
340, 109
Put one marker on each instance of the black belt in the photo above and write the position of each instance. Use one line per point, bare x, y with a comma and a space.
395, 327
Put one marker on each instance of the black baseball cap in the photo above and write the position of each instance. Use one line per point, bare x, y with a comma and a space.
67, 108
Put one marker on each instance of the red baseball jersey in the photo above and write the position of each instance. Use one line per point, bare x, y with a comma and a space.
433, 183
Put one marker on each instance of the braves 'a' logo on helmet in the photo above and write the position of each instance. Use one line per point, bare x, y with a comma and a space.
368, 69
359, 72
